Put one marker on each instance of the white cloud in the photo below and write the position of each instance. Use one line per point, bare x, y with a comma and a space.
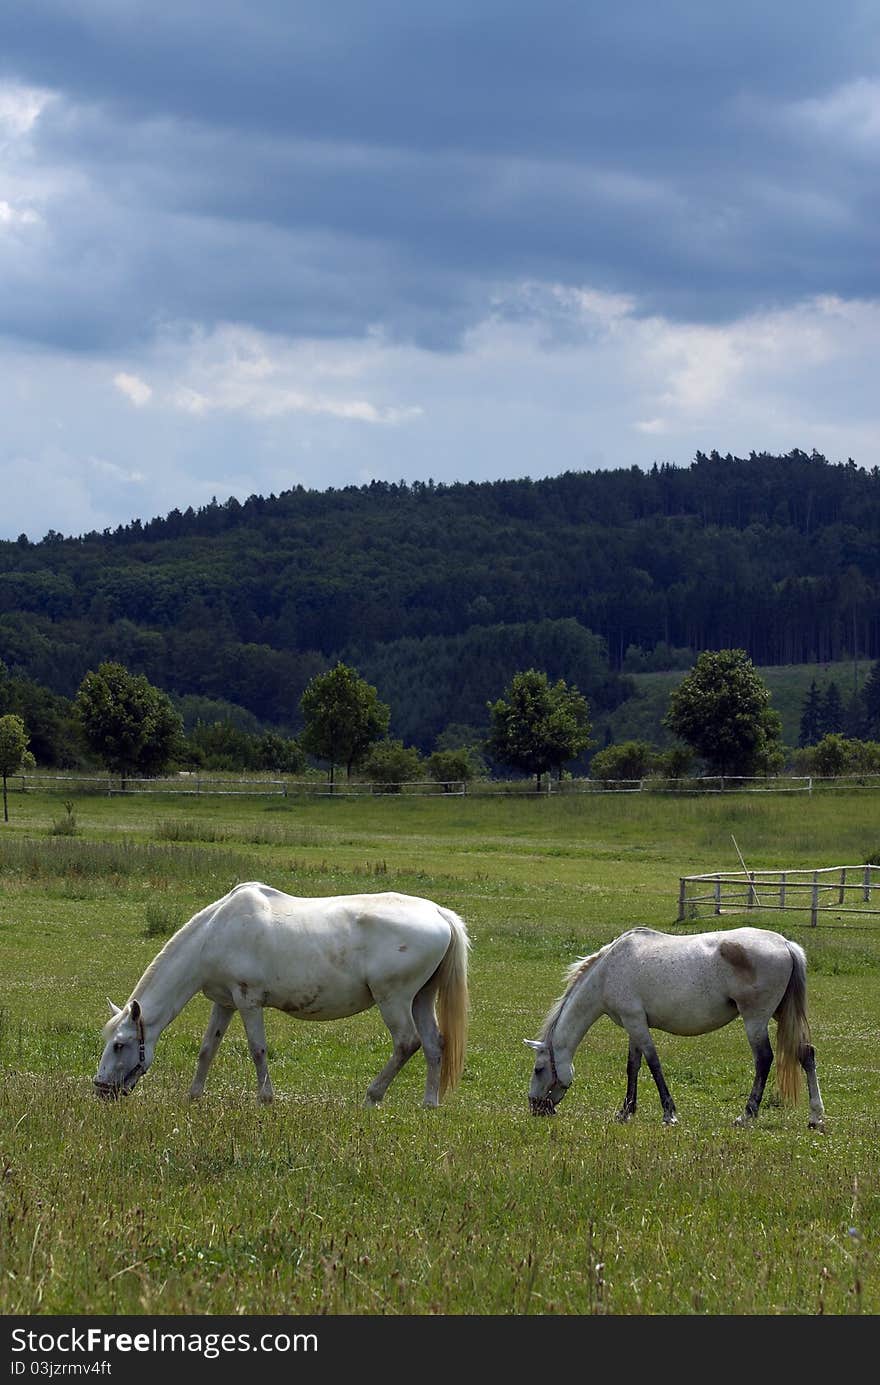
134, 388
20, 107
577, 379
849, 115
238, 370
11, 216
115, 473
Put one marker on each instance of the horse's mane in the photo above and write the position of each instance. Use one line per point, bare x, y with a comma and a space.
162, 956
579, 967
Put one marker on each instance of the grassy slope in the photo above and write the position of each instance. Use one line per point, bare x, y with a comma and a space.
316, 1205
640, 717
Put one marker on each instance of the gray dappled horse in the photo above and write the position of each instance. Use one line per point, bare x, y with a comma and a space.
647, 980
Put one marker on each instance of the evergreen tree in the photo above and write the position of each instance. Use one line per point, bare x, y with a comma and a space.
811, 717
832, 713
871, 703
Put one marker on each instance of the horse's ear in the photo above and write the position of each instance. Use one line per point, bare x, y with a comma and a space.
135, 1010
532, 1043
114, 1009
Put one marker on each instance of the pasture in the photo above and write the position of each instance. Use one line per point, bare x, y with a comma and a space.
315, 1204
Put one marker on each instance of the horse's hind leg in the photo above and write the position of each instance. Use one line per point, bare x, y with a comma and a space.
633, 1063
398, 1015
759, 1039
255, 1028
217, 1027
432, 1041
807, 1059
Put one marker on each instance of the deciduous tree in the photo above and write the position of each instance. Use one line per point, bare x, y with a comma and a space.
14, 753
343, 718
538, 726
722, 709
130, 725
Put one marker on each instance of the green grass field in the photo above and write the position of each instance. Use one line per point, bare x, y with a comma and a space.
317, 1205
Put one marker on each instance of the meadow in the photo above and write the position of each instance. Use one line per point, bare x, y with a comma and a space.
154, 1205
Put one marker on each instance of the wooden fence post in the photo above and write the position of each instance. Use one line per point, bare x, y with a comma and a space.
718, 894
682, 887
814, 912
866, 889
841, 898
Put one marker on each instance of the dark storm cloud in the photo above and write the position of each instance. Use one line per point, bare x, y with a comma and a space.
316, 169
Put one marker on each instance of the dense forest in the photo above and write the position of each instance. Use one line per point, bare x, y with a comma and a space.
439, 593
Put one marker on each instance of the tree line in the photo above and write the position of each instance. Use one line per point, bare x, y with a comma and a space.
130, 727
720, 715
440, 593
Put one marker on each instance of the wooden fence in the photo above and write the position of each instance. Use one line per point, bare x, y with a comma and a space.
831, 889
204, 783
197, 785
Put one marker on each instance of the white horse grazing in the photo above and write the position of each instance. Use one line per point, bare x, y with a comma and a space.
317, 959
647, 980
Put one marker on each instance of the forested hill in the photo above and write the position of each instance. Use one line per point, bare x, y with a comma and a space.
437, 592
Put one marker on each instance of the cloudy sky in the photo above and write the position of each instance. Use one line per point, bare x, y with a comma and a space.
252, 244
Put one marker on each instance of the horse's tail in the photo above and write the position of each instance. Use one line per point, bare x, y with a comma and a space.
452, 1002
792, 1027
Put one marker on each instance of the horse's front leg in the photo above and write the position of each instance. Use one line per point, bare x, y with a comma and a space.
633, 1063
217, 1027
640, 1034
255, 1028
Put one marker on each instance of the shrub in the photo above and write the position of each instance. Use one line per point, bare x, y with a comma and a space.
450, 766
629, 760
391, 763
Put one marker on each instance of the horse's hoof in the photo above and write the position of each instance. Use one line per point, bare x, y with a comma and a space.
816, 1125
624, 1117
670, 1120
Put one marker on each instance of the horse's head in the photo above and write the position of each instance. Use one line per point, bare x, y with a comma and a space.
127, 1052
551, 1079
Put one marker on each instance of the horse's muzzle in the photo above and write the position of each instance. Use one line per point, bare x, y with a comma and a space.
107, 1091
542, 1106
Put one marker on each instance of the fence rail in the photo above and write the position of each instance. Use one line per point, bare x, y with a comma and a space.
837, 889
199, 784
698, 784
194, 785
